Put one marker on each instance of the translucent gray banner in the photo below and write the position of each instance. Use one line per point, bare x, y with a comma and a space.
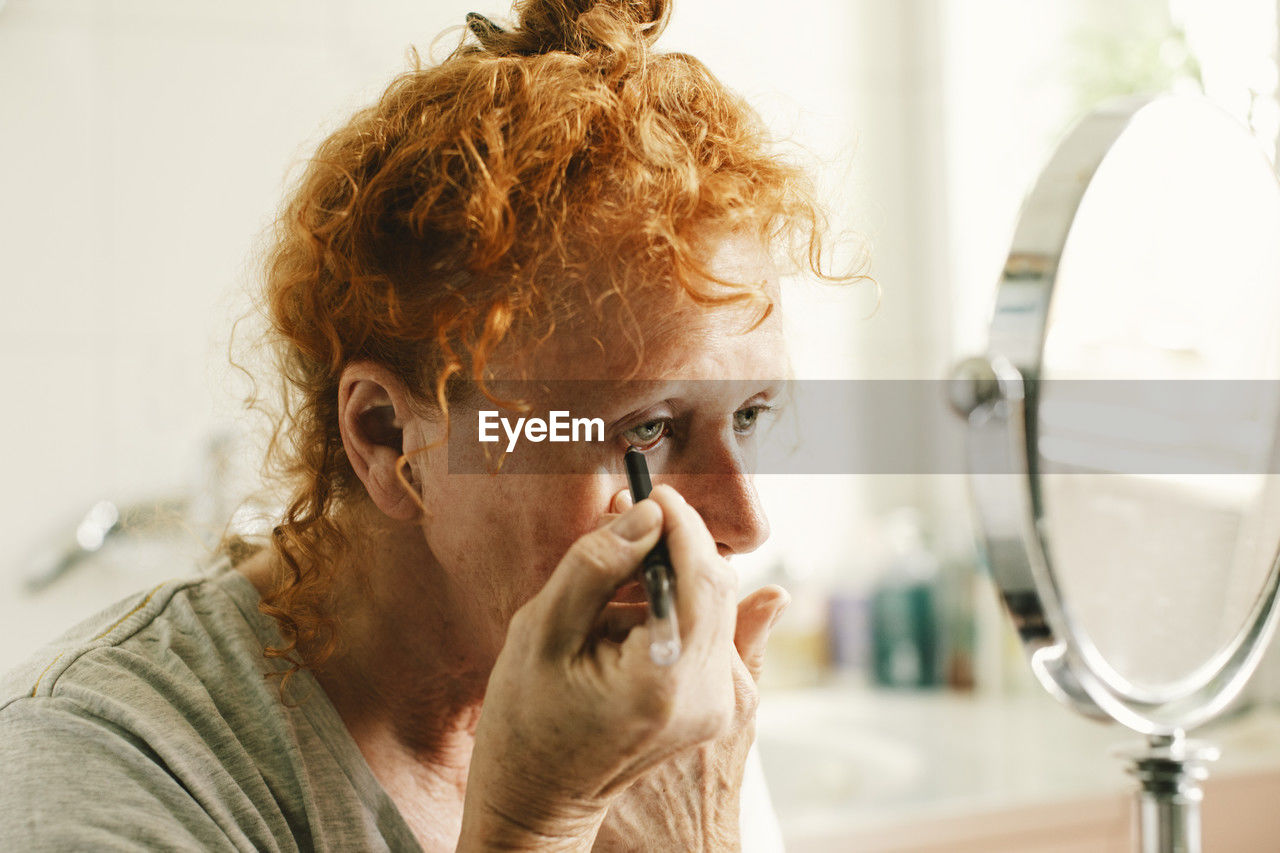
840, 427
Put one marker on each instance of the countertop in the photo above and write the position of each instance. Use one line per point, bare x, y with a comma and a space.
851, 762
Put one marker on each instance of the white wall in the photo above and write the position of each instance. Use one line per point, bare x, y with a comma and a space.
144, 145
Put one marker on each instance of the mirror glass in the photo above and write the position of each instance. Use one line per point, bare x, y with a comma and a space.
1157, 415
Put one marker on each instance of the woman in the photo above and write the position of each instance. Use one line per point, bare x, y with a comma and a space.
441, 646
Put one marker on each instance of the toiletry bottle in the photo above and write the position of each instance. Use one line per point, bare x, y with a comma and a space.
797, 654
849, 633
955, 609
904, 612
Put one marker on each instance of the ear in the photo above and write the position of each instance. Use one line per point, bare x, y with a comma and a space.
372, 412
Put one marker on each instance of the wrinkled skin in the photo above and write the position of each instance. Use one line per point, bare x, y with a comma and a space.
489, 667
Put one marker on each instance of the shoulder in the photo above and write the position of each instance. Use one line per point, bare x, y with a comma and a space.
154, 715
169, 666
185, 629
71, 780
115, 624
179, 666
176, 665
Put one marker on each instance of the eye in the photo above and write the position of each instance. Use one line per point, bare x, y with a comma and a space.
745, 420
647, 434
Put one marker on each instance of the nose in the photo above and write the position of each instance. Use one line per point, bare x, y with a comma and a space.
724, 494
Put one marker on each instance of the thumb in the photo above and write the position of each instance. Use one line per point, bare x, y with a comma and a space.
591, 572
757, 615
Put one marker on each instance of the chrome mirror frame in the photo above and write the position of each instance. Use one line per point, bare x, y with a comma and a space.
998, 394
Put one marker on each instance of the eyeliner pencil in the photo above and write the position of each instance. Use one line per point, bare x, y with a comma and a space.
656, 575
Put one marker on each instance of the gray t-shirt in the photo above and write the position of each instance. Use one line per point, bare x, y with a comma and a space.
154, 726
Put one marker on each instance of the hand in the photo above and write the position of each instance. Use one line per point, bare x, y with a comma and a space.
691, 801
574, 713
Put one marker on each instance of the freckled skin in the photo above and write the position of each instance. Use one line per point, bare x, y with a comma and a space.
501, 536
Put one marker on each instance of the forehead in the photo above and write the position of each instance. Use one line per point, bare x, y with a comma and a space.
666, 334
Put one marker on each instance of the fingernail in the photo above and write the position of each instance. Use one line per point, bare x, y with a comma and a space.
672, 490
636, 522
777, 614
622, 501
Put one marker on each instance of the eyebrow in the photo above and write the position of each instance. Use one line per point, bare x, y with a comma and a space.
770, 390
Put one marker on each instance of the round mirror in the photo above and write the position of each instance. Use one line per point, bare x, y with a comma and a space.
1131, 381
1155, 420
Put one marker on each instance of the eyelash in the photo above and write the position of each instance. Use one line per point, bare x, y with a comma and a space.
756, 411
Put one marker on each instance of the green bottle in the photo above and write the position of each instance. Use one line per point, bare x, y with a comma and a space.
904, 609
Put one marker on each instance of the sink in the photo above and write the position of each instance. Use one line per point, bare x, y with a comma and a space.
842, 760
812, 771
822, 757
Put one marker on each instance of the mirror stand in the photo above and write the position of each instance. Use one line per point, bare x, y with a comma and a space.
1170, 771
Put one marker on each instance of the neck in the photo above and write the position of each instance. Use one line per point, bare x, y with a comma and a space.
412, 659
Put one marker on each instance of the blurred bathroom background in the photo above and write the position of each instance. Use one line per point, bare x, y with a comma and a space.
147, 143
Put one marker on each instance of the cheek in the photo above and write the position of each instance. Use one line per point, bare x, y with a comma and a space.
508, 533
550, 515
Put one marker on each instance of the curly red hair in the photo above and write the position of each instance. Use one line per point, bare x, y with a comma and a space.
539, 176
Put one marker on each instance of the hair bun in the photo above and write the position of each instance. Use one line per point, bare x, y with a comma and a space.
579, 27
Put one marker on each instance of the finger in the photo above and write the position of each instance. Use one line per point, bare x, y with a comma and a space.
618, 504
592, 570
621, 501
706, 588
746, 698
618, 619
757, 614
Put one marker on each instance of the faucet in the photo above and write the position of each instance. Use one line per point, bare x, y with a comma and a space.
206, 509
